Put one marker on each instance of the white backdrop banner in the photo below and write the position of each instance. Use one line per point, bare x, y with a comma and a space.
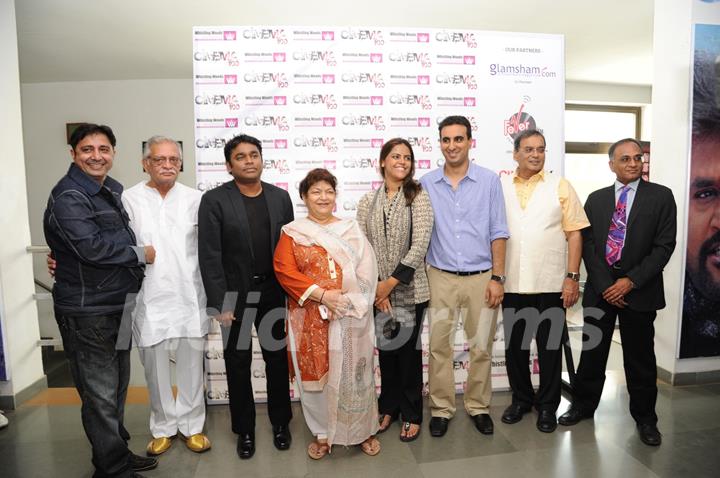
330, 96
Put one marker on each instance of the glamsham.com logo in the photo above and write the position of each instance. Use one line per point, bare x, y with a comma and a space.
520, 70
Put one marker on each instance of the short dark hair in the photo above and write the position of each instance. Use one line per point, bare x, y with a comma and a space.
706, 111
451, 120
528, 133
315, 176
89, 129
241, 138
611, 151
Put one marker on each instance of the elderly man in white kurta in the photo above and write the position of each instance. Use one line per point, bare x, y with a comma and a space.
170, 315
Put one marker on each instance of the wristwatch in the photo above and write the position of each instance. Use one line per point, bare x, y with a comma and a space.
500, 279
574, 276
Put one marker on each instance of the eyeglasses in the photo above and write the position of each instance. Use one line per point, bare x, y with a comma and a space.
160, 160
539, 149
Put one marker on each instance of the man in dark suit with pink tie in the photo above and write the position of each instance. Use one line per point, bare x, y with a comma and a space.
630, 240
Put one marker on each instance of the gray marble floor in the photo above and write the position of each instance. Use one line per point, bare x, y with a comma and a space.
48, 441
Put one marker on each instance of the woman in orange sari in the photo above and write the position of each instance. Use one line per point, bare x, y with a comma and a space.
328, 269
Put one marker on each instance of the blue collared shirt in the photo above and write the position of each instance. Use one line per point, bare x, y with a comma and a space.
467, 219
630, 194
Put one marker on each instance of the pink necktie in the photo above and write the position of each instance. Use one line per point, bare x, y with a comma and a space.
616, 235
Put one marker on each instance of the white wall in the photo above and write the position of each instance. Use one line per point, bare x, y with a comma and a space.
20, 324
606, 93
135, 110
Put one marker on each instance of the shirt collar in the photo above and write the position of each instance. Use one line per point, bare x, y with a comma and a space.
91, 186
633, 185
534, 178
472, 174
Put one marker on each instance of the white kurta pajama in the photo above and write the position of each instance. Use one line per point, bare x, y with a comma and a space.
170, 309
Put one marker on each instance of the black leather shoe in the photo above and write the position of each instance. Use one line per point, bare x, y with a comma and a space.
142, 463
282, 437
546, 422
514, 413
484, 423
649, 434
573, 416
246, 446
438, 426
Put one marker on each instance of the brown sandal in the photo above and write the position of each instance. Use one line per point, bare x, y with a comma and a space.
381, 420
371, 446
318, 449
405, 429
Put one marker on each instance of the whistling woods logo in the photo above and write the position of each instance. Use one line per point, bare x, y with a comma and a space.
222, 35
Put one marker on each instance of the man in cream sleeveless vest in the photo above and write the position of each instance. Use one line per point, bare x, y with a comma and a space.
543, 255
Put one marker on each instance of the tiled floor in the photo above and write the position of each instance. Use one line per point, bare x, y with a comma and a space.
47, 440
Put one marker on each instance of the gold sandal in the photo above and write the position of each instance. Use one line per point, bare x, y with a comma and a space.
318, 449
371, 446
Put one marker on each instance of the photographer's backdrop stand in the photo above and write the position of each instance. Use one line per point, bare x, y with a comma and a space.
330, 96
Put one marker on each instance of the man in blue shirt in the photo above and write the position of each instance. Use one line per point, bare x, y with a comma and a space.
99, 269
466, 274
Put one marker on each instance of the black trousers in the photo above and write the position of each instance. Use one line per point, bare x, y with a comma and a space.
268, 314
541, 316
637, 332
401, 374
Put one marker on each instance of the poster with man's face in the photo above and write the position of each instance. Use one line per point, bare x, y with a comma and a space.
701, 301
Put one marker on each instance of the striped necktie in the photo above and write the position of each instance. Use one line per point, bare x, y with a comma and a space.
616, 235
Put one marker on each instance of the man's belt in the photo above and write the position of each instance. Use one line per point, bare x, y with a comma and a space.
464, 273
